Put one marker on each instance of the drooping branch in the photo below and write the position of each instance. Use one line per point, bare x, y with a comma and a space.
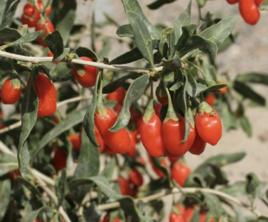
35, 60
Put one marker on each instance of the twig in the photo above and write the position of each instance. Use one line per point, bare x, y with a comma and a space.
35, 60
164, 193
60, 104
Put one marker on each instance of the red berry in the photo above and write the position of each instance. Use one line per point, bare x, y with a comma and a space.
47, 95
104, 119
30, 15
180, 172
173, 136
173, 217
124, 187
75, 140
11, 91
151, 135
249, 11
118, 95
198, 147
232, 1
60, 159
135, 177
208, 125
211, 99
85, 75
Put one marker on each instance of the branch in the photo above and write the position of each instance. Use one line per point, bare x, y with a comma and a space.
190, 190
35, 60
60, 104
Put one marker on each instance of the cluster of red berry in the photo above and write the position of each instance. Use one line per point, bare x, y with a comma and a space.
36, 16
249, 10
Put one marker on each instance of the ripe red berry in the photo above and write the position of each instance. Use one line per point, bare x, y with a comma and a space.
173, 217
173, 136
211, 99
135, 177
249, 11
118, 95
198, 147
86, 75
11, 91
75, 140
104, 119
124, 187
150, 129
232, 1
30, 15
180, 172
47, 95
208, 124
60, 159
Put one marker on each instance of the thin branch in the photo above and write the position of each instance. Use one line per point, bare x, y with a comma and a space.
33, 59
164, 193
60, 104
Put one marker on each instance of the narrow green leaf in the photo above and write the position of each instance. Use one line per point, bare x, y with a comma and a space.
89, 121
128, 57
65, 24
5, 191
70, 121
135, 91
8, 35
144, 32
31, 215
7, 11
102, 183
220, 31
8, 163
88, 161
254, 77
28, 120
159, 3
249, 93
125, 31
55, 43
246, 125
225, 159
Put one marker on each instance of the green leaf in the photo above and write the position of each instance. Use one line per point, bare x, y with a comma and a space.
252, 184
7, 11
31, 215
159, 3
8, 35
109, 169
135, 91
253, 77
88, 161
245, 125
55, 43
89, 121
225, 159
247, 92
66, 19
198, 42
8, 163
143, 30
5, 191
183, 20
125, 31
128, 206
128, 57
70, 121
220, 31
102, 183
28, 120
